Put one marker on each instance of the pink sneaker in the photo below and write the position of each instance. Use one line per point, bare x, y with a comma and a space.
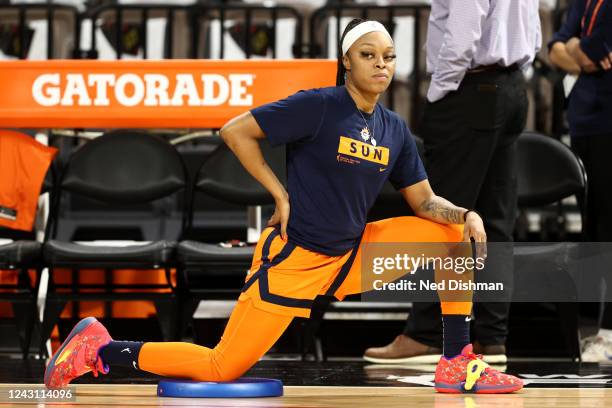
78, 354
467, 373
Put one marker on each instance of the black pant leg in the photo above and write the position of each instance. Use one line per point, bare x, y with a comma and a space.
460, 135
497, 203
594, 152
601, 226
458, 146
424, 324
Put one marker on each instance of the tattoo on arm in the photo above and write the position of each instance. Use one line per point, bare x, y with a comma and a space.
442, 210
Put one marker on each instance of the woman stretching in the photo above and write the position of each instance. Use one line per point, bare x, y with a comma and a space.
342, 146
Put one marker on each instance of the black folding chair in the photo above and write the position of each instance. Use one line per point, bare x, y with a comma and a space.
120, 168
22, 256
549, 171
209, 270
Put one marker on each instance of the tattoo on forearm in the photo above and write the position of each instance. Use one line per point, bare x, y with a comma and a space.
442, 210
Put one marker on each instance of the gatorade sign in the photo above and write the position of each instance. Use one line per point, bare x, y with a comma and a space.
148, 90
140, 94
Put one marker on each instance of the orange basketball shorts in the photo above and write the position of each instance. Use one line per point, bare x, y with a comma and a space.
285, 278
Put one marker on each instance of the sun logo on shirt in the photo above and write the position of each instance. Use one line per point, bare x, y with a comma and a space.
365, 133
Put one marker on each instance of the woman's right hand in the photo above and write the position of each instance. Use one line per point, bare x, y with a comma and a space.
573, 48
606, 63
281, 216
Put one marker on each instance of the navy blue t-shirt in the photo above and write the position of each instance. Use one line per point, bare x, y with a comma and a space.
334, 171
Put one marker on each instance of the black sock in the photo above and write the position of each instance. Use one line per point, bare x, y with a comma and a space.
456, 330
121, 353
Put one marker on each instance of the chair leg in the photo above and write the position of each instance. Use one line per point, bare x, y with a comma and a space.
53, 310
569, 317
187, 307
167, 313
34, 320
25, 314
311, 328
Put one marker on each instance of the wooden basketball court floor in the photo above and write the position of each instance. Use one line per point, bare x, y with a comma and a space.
141, 395
340, 384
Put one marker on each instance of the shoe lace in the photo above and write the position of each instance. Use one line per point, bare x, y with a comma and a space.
97, 366
473, 356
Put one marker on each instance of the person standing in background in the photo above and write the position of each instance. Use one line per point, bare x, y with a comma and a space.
582, 47
477, 107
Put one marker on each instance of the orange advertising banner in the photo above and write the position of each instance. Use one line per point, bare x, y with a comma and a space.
148, 94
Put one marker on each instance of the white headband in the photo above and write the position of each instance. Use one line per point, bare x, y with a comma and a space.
361, 29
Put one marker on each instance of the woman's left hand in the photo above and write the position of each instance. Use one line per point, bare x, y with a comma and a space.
474, 228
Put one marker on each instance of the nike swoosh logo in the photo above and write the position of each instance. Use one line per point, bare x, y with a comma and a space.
382, 169
126, 349
468, 318
135, 366
63, 357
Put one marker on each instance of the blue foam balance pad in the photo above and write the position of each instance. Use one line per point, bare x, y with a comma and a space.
240, 388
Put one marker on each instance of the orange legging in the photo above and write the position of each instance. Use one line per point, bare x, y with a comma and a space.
249, 334
252, 331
